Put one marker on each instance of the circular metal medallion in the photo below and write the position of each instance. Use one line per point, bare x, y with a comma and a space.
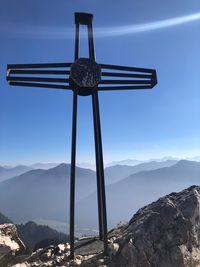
85, 73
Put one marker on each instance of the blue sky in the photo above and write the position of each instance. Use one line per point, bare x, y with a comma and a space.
35, 124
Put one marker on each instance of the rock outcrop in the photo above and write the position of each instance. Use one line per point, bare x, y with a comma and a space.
165, 233
10, 244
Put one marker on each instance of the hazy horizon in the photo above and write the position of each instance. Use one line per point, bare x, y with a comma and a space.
92, 163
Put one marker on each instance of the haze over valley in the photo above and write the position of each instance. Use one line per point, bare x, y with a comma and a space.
42, 195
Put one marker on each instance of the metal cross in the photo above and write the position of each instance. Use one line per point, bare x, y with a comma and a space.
84, 77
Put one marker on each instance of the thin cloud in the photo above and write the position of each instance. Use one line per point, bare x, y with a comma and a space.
44, 32
138, 28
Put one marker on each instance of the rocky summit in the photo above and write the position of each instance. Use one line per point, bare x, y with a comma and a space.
10, 244
165, 233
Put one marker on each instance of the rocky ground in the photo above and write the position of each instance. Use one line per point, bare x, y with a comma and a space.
165, 233
10, 244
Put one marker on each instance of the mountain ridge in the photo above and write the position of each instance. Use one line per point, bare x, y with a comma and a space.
47, 193
139, 189
6, 173
46, 188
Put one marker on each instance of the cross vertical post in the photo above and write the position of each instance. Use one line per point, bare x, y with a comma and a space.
72, 174
99, 152
86, 19
100, 167
96, 138
73, 153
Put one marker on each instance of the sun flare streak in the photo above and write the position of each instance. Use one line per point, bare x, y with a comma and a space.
51, 32
138, 28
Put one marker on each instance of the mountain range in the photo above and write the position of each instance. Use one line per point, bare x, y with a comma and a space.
118, 172
44, 194
9, 172
43, 166
129, 162
125, 197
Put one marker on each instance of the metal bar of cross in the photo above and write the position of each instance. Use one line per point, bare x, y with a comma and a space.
73, 154
85, 78
72, 174
96, 137
99, 152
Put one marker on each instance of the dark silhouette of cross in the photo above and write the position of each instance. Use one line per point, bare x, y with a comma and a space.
84, 77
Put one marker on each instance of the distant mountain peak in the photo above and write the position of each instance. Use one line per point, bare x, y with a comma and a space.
187, 163
130, 162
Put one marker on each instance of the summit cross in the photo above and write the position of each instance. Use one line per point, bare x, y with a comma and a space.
85, 77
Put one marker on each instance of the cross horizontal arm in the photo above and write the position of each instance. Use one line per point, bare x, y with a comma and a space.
35, 79
125, 75
59, 71
141, 78
124, 68
125, 82
133, 87
43, 65
83, 18
48, 72
43, 85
